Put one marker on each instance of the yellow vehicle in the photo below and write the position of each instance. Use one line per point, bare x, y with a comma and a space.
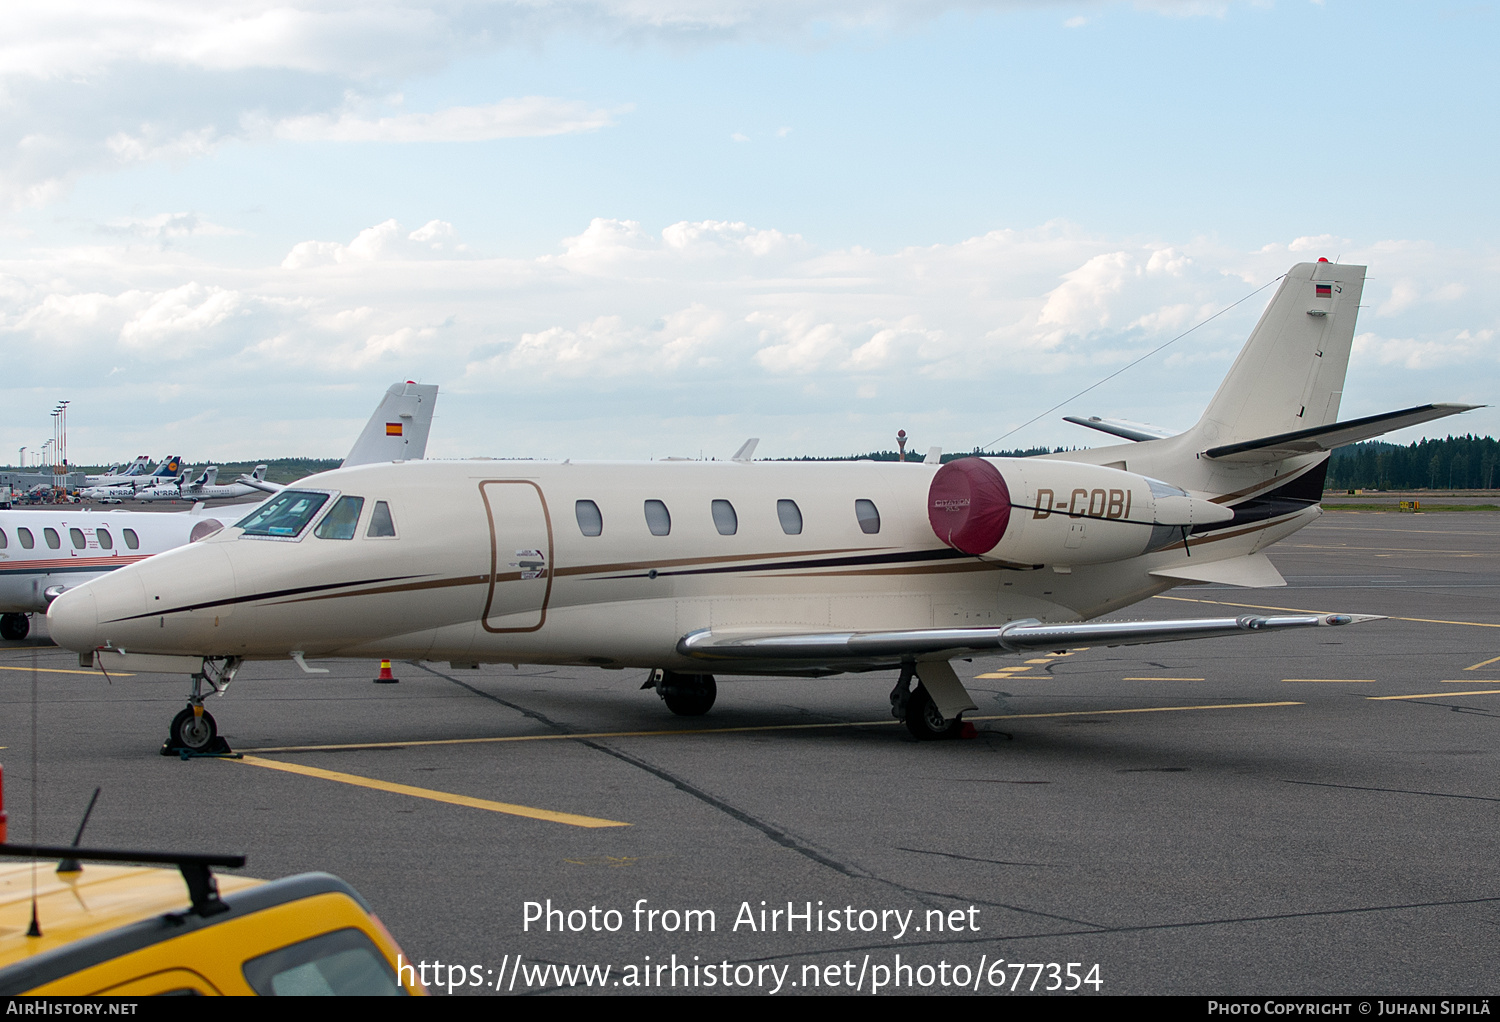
125, 931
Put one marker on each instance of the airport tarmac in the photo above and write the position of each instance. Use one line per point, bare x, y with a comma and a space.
1303, 813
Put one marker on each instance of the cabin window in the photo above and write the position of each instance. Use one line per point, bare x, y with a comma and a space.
725, 520
79, 539
27, 541
285, 515
790, 516
590, 519
868, 516
658, 518
53, 539
342, 520
106, 541
4, 542
132, 540
381, 525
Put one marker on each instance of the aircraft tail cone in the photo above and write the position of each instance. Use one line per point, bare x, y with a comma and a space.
386, 677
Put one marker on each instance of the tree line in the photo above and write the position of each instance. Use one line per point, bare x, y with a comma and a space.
1453, 463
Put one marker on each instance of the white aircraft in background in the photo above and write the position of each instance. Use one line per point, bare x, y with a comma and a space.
125, 487
122, 474
206, 487
778, 568
44, 553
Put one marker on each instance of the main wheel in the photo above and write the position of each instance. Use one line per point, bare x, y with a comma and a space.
14, 627
688, 695
192, 732
925, 721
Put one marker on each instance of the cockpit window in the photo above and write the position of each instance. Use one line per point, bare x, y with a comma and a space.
285, 516
341, 522
381, 524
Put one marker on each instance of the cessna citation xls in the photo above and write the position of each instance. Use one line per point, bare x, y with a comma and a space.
780, 568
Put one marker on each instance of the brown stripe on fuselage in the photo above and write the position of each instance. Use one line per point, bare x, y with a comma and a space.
1214, 537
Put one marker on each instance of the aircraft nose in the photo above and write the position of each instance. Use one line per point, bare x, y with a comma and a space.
73, 620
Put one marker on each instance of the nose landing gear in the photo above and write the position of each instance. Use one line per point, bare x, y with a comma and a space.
194, 732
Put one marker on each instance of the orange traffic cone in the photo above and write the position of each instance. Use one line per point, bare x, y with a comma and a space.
386, 677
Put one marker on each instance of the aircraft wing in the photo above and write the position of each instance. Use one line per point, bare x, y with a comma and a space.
260, 484
852, 650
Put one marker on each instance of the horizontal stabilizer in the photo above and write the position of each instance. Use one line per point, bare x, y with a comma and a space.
1137, 431
1335, 434
844, 648
1253, 572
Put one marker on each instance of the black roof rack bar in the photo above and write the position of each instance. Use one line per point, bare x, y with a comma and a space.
194, 867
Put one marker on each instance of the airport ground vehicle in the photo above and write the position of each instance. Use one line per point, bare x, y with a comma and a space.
133, 930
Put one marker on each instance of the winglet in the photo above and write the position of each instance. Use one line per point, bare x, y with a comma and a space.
747, 450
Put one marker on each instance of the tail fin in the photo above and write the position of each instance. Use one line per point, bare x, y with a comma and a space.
1290, 374
170, 466
259, 474
398, 429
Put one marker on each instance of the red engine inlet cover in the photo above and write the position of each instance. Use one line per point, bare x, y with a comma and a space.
968, 505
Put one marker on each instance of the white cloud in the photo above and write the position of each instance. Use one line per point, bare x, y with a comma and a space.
706, 325
388, 240
528, 117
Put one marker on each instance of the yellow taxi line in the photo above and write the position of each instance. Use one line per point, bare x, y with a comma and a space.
1438, 695
1163, 679
508, 808
1331, 681
1483, 663
1142, 709
1300, 610
61, 670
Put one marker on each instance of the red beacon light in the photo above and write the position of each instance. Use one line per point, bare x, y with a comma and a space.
1322, 259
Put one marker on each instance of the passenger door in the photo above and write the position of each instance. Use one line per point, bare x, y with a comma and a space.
520, 582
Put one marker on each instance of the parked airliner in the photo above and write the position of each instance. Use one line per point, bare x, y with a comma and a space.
785, 568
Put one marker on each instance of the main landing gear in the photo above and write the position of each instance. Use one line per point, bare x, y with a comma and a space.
193, 731
687, 695
911, 702
15, 627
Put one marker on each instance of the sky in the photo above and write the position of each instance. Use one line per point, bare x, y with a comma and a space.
650, 228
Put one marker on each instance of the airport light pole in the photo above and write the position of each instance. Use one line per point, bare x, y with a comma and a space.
23, 457
60, 431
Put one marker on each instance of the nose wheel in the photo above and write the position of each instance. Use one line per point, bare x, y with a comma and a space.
193, 730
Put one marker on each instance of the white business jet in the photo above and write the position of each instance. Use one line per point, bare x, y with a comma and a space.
45, 553
780, 568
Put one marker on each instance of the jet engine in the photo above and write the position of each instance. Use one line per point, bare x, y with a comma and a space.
1059, 512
